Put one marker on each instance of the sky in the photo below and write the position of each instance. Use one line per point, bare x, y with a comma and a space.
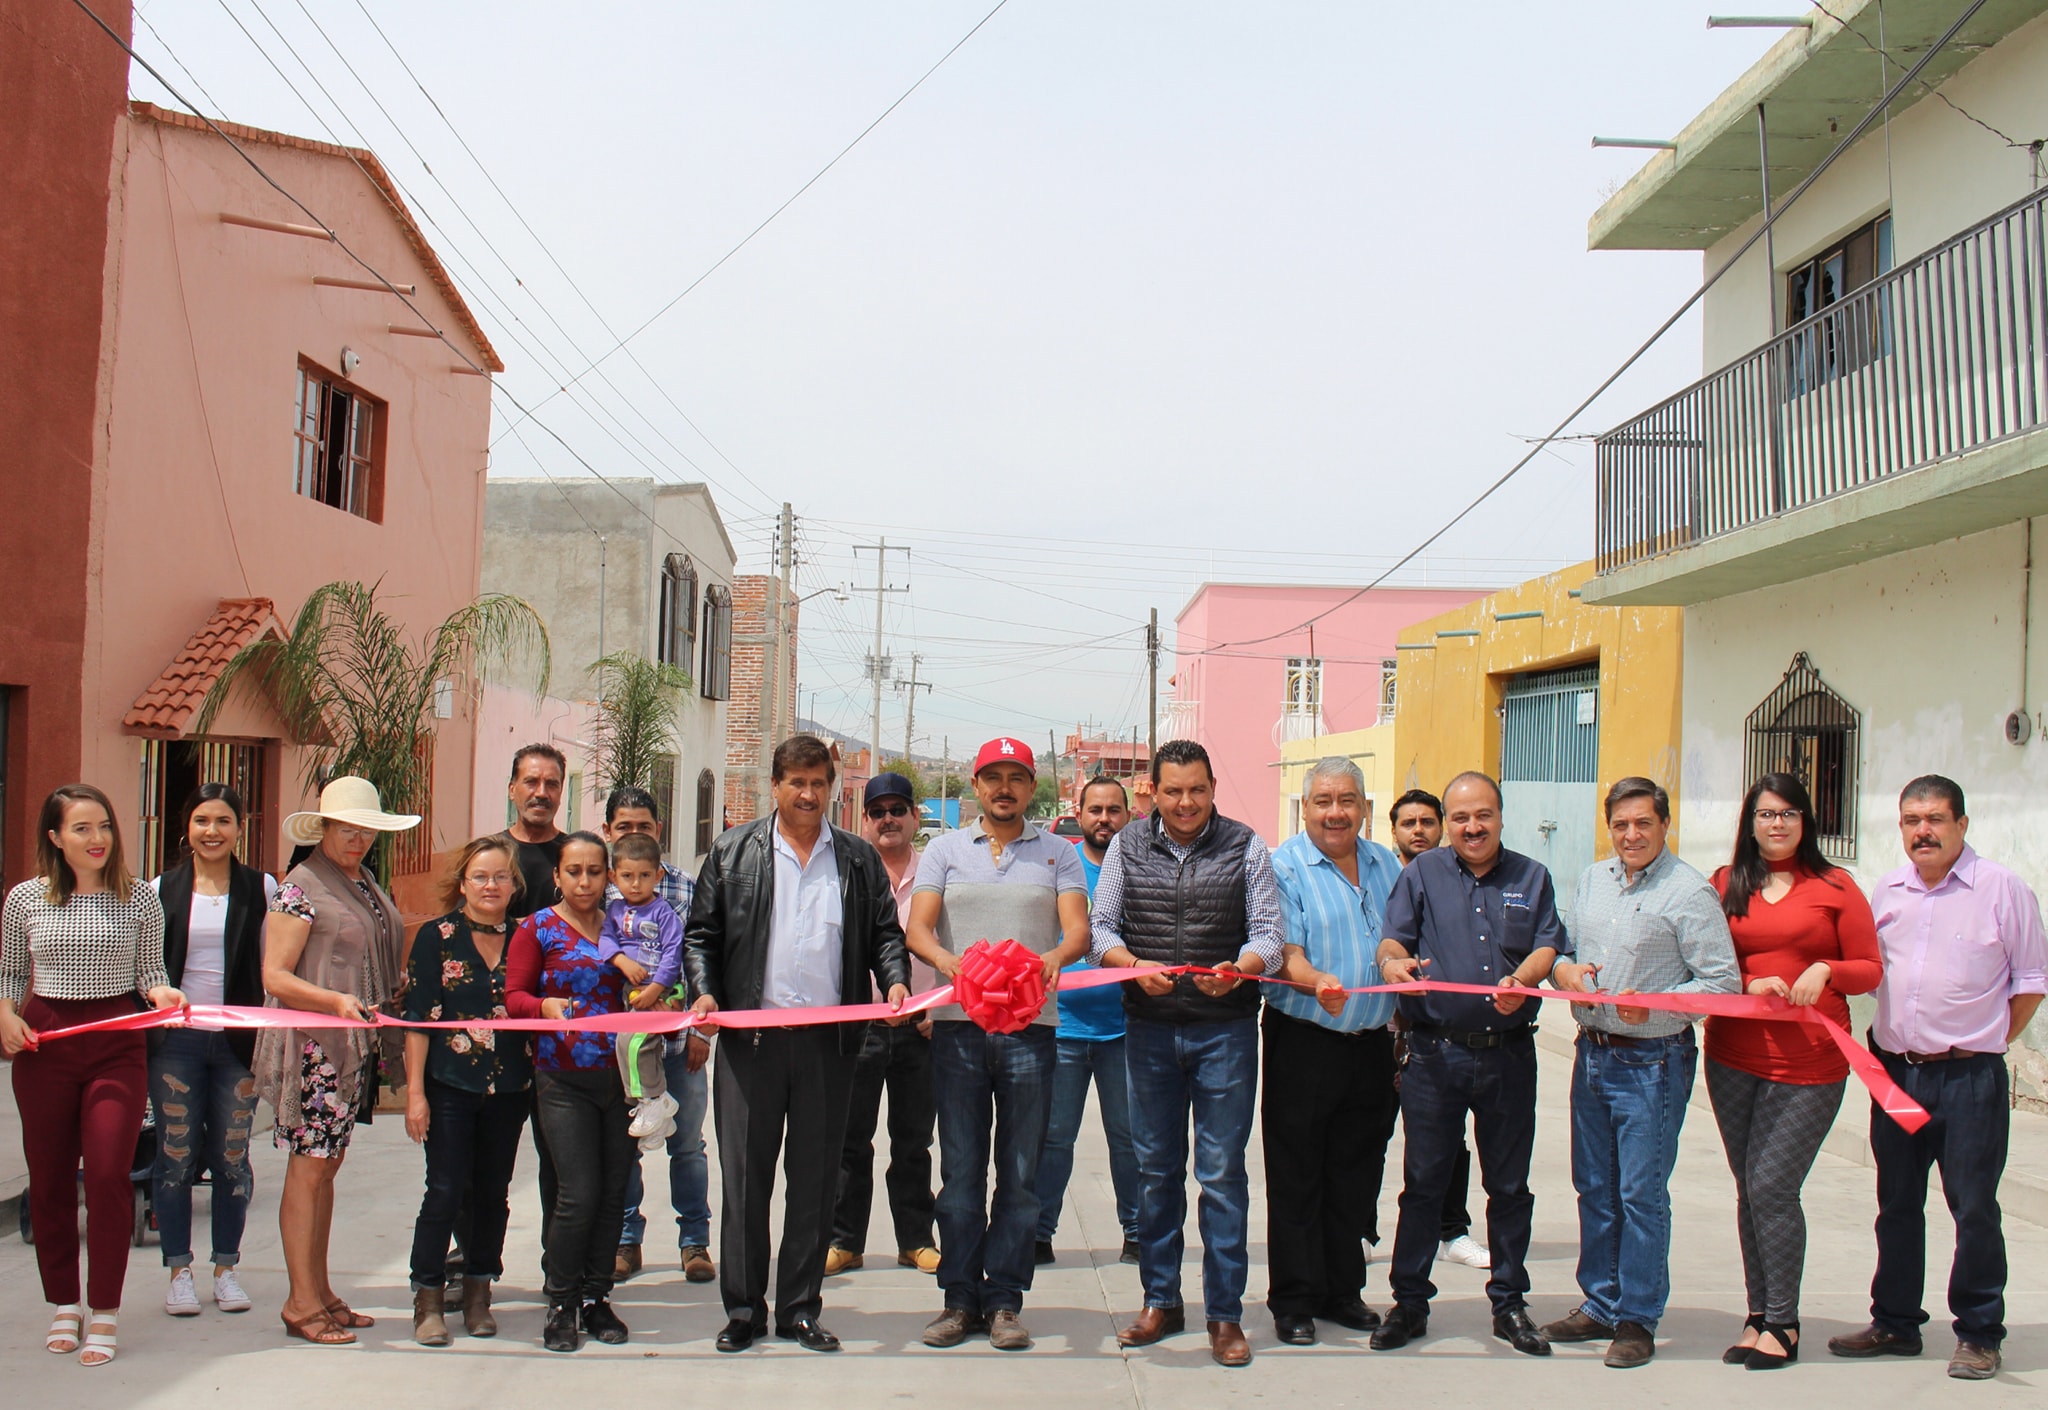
1125, 297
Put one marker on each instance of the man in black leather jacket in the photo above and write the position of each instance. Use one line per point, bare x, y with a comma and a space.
789, 912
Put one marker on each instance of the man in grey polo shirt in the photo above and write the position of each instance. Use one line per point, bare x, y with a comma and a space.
1643, 923
998, 879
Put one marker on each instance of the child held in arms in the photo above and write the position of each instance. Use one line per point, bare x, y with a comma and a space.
643, 940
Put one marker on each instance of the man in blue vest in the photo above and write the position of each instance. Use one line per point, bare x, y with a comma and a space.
1188, 886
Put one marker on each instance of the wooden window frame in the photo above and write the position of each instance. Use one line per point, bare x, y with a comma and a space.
361, 493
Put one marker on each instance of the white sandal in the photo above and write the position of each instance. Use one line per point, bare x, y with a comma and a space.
99, 1346
67, 1325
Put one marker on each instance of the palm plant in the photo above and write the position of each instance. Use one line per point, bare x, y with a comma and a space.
638, 702
348, 683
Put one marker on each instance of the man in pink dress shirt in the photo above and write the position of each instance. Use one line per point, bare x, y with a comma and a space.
1965, 966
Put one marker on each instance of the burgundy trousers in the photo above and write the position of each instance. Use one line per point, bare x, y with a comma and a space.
81, 1099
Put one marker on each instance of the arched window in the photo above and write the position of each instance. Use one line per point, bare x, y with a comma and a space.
676, 642
1803, 728
707, 803
714, 680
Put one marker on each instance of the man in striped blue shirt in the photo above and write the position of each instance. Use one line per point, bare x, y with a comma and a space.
1329, 1061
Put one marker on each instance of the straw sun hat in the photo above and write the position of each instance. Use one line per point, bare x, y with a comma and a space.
346, 800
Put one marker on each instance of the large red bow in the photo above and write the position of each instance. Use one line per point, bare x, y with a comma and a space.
1001, 987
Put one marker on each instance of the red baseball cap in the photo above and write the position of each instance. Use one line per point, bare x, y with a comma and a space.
1006, 751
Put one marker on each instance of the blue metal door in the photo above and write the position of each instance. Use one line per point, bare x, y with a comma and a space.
1550, 759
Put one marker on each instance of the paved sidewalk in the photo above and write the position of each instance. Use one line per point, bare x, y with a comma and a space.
1073, 1311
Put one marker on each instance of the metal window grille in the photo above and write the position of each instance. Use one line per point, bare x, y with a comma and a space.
172, 770
715, 679
412, 851
707, 800
1542, 739
677, 640
1805, 729
661, 782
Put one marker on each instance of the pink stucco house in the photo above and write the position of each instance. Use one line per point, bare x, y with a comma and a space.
1248, 675
254, 419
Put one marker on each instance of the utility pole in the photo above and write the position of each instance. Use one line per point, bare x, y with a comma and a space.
878, 664
1152, 691
779, 669
1053, 749
945, 776
911, 687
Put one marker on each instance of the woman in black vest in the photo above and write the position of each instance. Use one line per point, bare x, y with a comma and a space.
199, 1080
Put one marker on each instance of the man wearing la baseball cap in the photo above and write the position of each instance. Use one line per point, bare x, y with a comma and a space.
999, 878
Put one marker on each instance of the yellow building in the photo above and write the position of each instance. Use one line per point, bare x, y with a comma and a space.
1371, 749
1555, 698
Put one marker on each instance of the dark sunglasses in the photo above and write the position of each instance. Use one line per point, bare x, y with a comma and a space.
900, 810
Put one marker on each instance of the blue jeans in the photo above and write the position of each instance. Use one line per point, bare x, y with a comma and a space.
689, 1175
1079, 1062
1628, 1105
1211, 1070
987, 1084
205, 1102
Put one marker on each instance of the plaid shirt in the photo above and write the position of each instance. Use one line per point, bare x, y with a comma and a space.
1661, 932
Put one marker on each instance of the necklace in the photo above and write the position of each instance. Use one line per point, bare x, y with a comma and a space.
475, 924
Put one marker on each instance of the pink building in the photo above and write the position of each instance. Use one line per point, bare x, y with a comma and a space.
262, 425
1248, 677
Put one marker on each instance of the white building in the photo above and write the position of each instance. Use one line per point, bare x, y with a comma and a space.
628, 565
1847, 503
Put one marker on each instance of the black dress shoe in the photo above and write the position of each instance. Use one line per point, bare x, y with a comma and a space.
560, 1334
1294, 1330
806, 1333
1041, 1252
601, 1322
1518, 1331
739, 1334
1351, 1312
1402, 1325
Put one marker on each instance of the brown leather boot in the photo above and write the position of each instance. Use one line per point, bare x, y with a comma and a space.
1227, 1344
429, 1327
1152, 1324
476, 1310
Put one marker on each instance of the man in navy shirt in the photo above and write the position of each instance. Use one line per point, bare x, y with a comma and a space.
1470, 913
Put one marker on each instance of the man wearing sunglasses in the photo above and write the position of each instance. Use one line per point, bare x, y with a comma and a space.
898, 1058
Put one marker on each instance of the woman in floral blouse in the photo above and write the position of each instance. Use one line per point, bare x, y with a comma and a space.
579, 1102
466, 1089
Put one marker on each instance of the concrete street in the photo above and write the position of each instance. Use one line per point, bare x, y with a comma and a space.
1073, 1311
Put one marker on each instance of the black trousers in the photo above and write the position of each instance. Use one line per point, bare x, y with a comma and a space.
472, 1145
770, 1082
584, 1117
1325, 1116
901, 1060
1441, 1083
1967, 1138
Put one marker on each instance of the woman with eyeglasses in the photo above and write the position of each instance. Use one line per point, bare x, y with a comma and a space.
332, 949
467, 1090
1803, 932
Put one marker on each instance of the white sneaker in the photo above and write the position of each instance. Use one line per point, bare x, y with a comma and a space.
183, 1299
651, 1115
1466, 1250
654, 1141
227, 1293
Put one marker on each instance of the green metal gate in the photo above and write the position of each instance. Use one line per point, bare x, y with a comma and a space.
1550, 761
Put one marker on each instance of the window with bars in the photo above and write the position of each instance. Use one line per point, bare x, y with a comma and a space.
661, 782
1388, 667
677, 641
338, 455
714, 678
412, 851
1304, 688
1805, 729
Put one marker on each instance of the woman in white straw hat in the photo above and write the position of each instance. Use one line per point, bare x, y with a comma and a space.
332, 946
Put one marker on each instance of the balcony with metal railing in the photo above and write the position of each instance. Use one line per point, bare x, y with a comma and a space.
1913, 409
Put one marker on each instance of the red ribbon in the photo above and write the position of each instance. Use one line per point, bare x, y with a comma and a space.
1000, 986
1890, 1098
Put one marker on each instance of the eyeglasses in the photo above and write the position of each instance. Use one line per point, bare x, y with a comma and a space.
496, 878
1773, 814
901, 810
350, 833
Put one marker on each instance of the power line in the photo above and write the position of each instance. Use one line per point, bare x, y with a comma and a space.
747, 239
1770, 219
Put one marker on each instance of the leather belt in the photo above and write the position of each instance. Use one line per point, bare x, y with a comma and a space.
1952, 1055
1601, 1038
1476, 1039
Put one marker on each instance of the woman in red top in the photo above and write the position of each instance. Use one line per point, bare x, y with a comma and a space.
1803, 932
